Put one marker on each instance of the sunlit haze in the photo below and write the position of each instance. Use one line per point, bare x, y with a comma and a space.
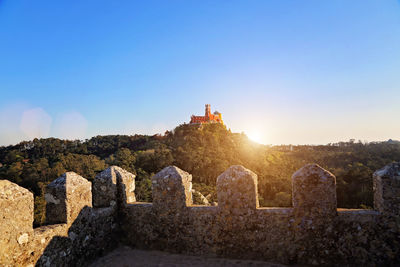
256, 137
283, 72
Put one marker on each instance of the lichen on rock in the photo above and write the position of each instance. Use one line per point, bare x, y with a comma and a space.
111, 184
387, 189
172, 188
314, 193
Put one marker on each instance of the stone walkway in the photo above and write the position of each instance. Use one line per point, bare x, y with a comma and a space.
126, 257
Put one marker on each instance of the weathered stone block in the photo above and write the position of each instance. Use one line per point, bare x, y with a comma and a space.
66, 196
105, 188
387, 189
354, 237
112, 184
16, 219
126, 185
172, 189
237, 190
314, 192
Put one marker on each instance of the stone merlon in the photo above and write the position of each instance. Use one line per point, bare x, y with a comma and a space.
312, 231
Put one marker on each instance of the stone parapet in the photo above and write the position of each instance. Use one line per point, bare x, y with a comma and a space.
66, 196
113, 185
172, 189
76, 233
16, 219
387, 189
237, 190
314, 193
313, 231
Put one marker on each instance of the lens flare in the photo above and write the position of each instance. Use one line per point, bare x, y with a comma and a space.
255, 137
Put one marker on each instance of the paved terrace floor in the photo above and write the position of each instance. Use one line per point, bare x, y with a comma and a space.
127, 257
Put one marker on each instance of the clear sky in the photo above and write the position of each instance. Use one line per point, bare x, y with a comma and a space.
291, 72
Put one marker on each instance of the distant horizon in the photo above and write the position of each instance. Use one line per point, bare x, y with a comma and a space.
301, 72
149, 134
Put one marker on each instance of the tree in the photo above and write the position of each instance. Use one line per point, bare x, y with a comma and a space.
123, 158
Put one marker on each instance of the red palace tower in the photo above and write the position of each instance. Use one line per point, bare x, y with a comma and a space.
208, 117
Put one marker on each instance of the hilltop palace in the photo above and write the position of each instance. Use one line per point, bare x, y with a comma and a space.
208, 117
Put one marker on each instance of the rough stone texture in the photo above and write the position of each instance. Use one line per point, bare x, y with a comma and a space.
66, 196
314, 193
237, 190
126, 185
387, 189
92, 234
172, 189
356, 237
105, 188
237, 201
16, 219
345, 237
114, 183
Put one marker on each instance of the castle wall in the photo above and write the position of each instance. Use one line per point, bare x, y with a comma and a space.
313, 231
16, 219
76, 232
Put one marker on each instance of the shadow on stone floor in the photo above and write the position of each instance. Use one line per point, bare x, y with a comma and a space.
126, 256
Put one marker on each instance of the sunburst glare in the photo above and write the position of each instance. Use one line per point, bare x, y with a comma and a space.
255, 136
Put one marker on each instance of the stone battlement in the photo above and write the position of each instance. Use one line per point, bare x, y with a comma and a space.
87, 219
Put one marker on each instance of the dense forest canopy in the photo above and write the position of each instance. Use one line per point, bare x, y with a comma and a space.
205, 151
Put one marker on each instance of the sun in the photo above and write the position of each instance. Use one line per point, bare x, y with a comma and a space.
255, 137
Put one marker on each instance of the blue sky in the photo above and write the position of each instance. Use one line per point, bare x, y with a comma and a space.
286, 72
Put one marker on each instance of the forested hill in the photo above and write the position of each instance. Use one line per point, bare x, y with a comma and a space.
205, 152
